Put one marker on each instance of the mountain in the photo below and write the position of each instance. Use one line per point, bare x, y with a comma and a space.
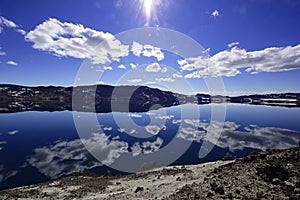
106, 98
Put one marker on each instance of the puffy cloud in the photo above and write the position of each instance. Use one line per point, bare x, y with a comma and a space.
11, 63
74, 40
2, 53
229, 62
150, 50
135, 80
121, 66
215, 13
147, 50
154, 67
66, 157
136, 48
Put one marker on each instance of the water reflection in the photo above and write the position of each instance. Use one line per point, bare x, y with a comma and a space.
36, 146
235, 137
65, 157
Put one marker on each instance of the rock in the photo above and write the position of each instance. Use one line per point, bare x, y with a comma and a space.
276, 181
225, 158
138, 189
217, 189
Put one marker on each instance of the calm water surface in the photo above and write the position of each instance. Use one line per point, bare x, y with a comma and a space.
38, 146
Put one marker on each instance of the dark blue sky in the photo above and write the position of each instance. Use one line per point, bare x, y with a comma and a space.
253, 25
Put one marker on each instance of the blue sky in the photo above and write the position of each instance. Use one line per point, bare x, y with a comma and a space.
253, 44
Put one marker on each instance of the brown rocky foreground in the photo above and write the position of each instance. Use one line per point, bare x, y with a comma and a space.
272, 174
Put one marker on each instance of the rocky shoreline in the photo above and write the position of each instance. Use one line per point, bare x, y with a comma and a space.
272, 174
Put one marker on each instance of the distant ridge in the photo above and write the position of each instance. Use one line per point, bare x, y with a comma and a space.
107, 98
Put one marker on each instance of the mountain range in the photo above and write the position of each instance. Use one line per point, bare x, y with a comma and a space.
106, 98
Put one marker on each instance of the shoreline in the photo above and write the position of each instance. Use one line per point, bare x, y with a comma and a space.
268, 174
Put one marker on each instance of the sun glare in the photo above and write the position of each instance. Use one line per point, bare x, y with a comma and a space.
149, 9
148, 5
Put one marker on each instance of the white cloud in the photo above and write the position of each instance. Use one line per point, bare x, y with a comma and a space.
136, 48
121, 66
150, 50
11, 63
150, 83
7, 23
12, 132
182, 62
167, 79
233, 44
135, 80
152, 129
177, 75
107, 68
10, 24
21, 31
133, 66
215, 13
154, 67
229, 62
147, 50
74, 40
2, 53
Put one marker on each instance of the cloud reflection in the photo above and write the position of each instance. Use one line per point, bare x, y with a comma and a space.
66, 157
235, 138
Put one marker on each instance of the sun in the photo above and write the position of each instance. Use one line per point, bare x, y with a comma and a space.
148, 6
149, 9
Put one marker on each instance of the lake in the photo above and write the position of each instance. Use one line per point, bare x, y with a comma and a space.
39, 146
